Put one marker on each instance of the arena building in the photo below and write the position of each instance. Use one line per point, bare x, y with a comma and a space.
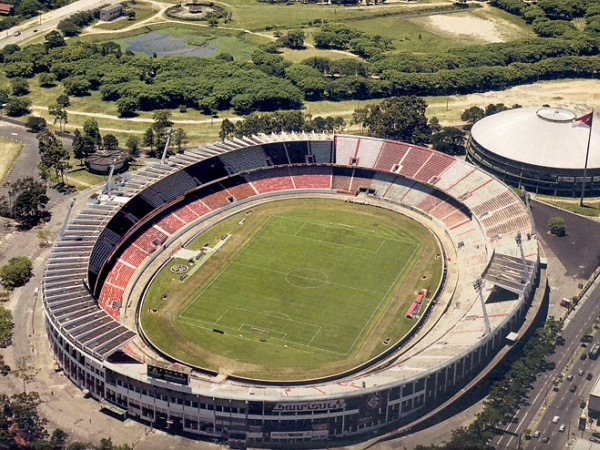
541, 149
491, 272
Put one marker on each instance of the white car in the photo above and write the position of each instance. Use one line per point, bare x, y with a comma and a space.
536, 434
562, 428
555, 419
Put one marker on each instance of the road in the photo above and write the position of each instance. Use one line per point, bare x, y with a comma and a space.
545, 402
48, 21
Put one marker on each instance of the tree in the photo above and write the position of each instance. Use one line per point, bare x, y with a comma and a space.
77, 85
19, 87
213, 19
150, 141
27, 426
83, 146
44, 237
63, 100
17, 107
294, 39
54, 39
401, 118
28, 8
557, 226
16, 273
29, 201
53, 155
133, 144
127, 106
495, 108
450, 140
434, 125
227, 129
130, 14
179, 139
472, 114
35, 123
47, 80
162, 122
110, 141
6, 327
59, 113
25, 372
91, 129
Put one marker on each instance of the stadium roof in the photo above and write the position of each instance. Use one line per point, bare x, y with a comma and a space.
545, 137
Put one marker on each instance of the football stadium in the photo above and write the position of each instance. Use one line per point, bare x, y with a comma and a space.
544, 150
292, 290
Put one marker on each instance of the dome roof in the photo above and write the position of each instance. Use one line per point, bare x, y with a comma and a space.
546, 137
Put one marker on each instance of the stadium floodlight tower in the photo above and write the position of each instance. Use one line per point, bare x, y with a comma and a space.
66, 221
164, 154
110, 175
519, 241
478, 286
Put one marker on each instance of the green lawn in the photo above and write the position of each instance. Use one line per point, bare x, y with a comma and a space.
296, 287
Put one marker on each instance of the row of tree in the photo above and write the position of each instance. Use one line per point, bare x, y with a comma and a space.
270, 82
508, 394
277, 122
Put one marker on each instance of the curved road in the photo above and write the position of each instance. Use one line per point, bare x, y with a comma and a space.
30, 29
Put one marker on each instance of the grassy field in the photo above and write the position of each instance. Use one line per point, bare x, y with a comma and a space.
143, 11
301, 289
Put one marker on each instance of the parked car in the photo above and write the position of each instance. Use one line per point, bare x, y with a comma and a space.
17, 33
536, 434
555, 419
570, 377
545, 439
562, 428
581, 372
589, 376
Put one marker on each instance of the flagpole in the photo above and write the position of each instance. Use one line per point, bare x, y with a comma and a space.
587, 154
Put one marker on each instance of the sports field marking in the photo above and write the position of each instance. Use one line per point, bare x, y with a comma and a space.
382, 299
296, 274
276, 334
360, 231
285, 273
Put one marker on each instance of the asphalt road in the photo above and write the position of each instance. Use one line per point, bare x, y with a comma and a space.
48, 21
544, 403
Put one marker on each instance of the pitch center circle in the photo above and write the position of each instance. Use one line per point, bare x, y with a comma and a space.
307, 278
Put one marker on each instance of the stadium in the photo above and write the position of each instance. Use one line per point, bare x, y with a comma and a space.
108, 254
540, 149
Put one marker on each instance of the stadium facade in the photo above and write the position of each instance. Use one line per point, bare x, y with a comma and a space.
111, 242
540, 149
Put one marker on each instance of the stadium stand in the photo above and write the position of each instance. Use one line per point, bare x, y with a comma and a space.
342, 178
311, 177
391, 155
238, 187
277, 179
433, 168
244, 159
115, 238
414, 161
368, 152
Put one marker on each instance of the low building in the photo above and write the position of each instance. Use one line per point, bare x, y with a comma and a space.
111, 12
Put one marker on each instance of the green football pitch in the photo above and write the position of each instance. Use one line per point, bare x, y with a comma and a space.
301, 288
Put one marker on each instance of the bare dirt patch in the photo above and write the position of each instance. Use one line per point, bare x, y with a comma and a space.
468, 25
575, 95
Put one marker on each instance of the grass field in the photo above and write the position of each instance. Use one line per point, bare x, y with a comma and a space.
300, 285
10, 152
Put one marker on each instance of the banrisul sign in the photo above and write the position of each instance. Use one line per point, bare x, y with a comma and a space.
324, 405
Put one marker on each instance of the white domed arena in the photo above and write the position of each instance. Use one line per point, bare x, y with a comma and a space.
487, 249
541, 149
